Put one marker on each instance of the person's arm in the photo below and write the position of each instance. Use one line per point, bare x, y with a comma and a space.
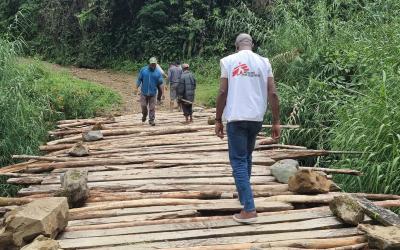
169, 76
160, 80
221, 102
273, 100
139, 81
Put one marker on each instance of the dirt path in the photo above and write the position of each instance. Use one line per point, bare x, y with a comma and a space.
121, 82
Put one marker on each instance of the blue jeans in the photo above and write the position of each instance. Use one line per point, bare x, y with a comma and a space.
241, 141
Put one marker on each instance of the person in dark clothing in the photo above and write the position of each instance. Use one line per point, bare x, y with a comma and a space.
186, 89
174, 74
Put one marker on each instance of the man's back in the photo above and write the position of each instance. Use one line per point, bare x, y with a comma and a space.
174, 74
247, 75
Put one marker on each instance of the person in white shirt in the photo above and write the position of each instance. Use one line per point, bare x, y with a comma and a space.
246, 87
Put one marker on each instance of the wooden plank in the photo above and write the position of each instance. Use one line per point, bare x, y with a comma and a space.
262, 160
43, 189
329, 234
98, 196
135, 217
263, 219
298, 243
208, 205
168, 177
216, 205
313, 224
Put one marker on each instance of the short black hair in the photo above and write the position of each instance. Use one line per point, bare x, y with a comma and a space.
177, 62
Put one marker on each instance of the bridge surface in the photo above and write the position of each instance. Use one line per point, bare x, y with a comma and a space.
170, 187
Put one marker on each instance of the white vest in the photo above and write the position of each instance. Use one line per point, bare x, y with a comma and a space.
247, 74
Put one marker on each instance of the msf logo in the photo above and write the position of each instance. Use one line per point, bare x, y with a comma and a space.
242, 69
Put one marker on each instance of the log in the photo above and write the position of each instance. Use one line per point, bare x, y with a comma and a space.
335, 171
64, 124
382, 215
326, 198
107, 196
56, 147
26, 180
7, 201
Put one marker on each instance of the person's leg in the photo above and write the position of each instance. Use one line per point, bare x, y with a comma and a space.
143, 105
254, 129
185, 109
191, 112
159, 93
152, 109
172, 96
237, 142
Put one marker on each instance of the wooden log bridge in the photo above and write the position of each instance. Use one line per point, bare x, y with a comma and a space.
171, 187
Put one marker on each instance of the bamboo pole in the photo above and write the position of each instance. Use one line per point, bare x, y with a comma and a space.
335, 171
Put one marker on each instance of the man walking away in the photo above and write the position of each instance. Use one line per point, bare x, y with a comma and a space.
186, 90
148, 80
174, 74
246, 86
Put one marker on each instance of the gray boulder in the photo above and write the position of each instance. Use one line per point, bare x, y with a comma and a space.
94, 135
347, 210
284, 169
74, 187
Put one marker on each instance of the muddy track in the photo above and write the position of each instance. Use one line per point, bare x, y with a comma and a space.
123, 83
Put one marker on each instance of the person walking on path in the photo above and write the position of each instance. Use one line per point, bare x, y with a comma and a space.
246, 86
148, 81
160, 88
186, 92
174, 74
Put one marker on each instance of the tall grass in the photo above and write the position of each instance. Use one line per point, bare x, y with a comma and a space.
32, 99
342, 87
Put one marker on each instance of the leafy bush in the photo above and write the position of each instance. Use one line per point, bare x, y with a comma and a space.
32, 99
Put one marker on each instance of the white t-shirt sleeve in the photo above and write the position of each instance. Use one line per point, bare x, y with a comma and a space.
269, 68
224, 71
160, 69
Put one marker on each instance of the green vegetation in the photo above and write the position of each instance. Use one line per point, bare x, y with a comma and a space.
32, 99
335, 61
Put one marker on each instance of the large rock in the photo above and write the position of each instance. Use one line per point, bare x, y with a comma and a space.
42, 243
211, 120
74, 187
381, 237
284, 169
347, 210
94, 135
79, 150
5, 240
98, 126
306, 181
46, 216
